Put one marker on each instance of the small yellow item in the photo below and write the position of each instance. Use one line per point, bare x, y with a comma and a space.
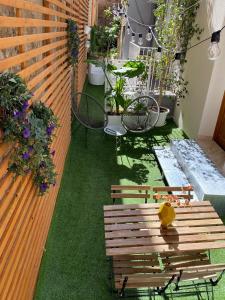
166, 214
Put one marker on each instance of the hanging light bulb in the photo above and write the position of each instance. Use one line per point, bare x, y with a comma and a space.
128, 29
158, 54
176, 64
140, 39
149, 35
214, 49
133, 38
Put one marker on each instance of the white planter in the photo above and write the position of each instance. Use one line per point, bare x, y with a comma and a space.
162, 116
96, 75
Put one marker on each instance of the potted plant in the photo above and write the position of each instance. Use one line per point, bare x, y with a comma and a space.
117, 99
103, 42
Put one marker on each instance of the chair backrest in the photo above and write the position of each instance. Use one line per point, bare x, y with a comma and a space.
89, 111
181, 192
141, 114
130, 192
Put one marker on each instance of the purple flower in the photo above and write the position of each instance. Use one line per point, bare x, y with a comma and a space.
50, 129
26, 155
25, 106
43, 187
26, 133
30, 148
53, 152
17, 114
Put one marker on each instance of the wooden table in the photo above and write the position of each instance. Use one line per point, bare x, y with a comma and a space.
135, 229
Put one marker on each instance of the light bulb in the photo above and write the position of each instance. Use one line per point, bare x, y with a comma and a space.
213, 51
133, 38
149, 35
140, 40
158, 54
128, 30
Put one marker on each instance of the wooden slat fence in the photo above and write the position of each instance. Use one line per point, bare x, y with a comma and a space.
33, 43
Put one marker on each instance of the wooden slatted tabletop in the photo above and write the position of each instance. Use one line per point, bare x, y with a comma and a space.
135, 229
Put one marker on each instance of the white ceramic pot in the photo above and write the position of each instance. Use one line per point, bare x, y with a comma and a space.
96, 75
162, 116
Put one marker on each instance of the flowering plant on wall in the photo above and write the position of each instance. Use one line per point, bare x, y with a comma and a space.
31, 128
73, 41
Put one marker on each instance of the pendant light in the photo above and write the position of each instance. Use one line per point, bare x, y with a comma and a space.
214, 49
140, 39
149, 35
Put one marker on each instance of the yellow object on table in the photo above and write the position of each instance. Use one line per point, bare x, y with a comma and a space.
166, 214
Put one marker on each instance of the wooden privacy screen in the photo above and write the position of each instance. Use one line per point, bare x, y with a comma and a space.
33, 43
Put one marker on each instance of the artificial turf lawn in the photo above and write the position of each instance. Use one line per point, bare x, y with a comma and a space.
74, 266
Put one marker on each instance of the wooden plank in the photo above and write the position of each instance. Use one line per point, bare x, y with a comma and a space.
172, 188
164, 240
17, 59
152, 211
150, 205
154, 217
170, 232
33, 7
14, 41
28, 22
130, 187
202, 246
132, 196
156, 224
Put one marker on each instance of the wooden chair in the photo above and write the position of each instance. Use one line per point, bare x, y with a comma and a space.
192, 266
183, 192
139, 271
132, 192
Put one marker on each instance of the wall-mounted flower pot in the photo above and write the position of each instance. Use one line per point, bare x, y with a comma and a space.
96, 75
162, 116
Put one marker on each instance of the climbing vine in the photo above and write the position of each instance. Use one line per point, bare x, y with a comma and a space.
31, 129
175, 27
73, 41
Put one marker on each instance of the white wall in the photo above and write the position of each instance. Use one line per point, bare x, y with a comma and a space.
198, 112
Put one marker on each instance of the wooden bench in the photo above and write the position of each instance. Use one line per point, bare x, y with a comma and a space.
183, 192
131, 192
139, 271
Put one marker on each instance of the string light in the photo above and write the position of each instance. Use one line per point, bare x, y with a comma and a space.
140, 39
149, 35
214, 49
158, 54
128, 29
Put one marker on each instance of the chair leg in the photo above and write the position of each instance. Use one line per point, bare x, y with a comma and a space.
162, 290
178, 280
215, 282
121, 294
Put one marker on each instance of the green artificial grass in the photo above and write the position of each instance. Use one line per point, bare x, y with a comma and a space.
74, 266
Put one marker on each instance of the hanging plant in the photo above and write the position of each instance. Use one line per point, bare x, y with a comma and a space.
73, 41
31, 128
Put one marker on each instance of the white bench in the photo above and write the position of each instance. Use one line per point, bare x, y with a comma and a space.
184, 163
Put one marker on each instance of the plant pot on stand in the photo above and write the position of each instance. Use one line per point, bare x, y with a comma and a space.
114, 126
